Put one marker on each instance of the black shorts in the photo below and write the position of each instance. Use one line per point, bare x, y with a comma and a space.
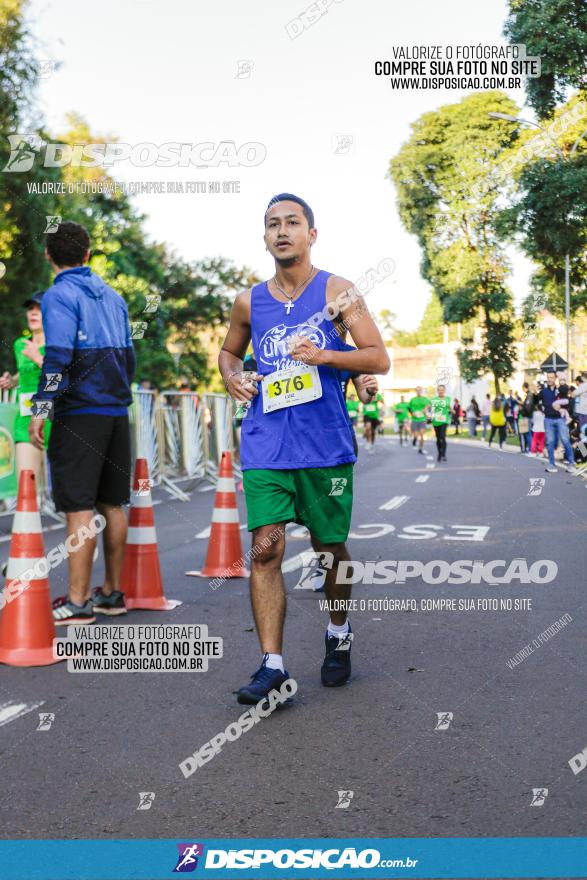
89, 457
372, 420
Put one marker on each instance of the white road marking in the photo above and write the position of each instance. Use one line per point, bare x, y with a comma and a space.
382, 529
422, 478
13, 710
430, 466
299, 533
293, 563
395, 502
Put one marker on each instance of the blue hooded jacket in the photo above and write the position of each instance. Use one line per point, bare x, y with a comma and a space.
88, 344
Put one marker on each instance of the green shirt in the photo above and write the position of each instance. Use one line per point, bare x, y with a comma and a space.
417, 407
440, 410
371, 409
352, 407
402, 410
28, 372
28, 380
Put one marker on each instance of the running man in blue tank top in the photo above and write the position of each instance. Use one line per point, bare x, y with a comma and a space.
296, 442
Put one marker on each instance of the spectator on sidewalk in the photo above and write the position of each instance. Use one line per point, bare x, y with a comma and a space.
485, 410
511, 412
456, 415
538, 435
525, 419
497, 419
88, 348
473, 413
580, 398
29, 350
555, 425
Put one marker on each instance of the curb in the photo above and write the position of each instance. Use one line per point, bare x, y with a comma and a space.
481, 444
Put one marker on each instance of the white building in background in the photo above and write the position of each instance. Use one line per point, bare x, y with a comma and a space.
428, 365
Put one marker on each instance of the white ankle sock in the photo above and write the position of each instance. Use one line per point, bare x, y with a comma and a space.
274, 661
335, 630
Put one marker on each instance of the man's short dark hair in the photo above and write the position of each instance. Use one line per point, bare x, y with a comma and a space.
68, 245
289, 197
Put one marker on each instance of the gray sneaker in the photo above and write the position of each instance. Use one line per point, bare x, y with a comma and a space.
112, 605
65, 612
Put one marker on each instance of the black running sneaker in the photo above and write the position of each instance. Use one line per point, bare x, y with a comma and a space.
263, 681
66, 612
112, 605
336, 668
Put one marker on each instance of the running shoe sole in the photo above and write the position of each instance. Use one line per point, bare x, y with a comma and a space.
337, 684
77, 621
109, 612
249, 699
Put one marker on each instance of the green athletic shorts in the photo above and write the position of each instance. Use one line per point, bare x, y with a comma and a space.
319, 498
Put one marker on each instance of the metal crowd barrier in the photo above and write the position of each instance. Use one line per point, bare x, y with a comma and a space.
183, 435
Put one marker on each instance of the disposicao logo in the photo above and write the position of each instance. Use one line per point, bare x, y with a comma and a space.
187, 861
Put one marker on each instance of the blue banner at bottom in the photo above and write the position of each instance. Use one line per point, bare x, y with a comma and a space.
271, 858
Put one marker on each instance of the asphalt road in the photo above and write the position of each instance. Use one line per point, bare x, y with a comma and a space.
512, 729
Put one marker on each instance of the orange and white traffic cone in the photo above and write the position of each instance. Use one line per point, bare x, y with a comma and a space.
225, 552
27, 629
140, 578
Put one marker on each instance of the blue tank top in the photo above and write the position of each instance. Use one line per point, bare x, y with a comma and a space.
312, 434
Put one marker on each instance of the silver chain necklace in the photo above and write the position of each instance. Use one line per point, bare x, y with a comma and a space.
288, 306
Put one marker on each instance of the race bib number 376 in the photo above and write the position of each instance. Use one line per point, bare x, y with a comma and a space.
291, 387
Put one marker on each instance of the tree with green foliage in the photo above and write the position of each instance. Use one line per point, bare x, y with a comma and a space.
449, 198
22, 215
430, 329
387, 324
548, 217
556, 31
191, 299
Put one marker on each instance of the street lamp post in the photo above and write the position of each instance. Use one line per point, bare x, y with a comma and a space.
522, 121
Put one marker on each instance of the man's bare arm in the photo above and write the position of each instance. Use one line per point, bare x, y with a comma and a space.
239, 384
353, 315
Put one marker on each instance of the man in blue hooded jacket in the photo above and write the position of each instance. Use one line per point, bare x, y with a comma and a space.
85, 387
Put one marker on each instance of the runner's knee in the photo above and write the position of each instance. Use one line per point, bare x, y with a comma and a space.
268, 549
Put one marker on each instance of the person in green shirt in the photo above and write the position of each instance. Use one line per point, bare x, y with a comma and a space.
402, 412
441, 415
371, 416
381, 413
418, 407
352, 407
29, 350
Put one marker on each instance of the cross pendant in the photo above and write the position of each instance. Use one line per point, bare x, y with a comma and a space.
289, 306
